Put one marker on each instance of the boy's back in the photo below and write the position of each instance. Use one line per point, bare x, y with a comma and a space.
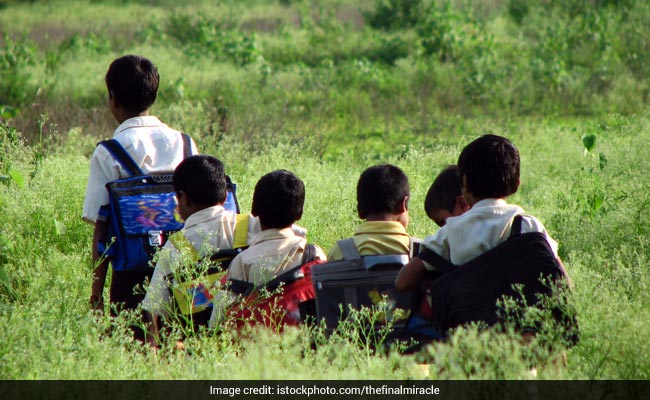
376, 238
382, 201
489, 168
272, 252
153, 146
481, 228
207, 231
278, 201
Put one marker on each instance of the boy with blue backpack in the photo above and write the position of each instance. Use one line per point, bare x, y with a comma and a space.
146, 146
200, 186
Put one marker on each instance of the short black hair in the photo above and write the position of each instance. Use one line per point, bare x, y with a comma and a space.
133, 82
381, 188
278, 199
443, 191
202, 178
490, 165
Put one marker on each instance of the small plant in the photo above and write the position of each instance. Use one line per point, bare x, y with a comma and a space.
593, 199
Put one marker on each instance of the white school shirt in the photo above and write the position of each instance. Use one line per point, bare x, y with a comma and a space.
154, 147
480, 229
207, 230
272, 252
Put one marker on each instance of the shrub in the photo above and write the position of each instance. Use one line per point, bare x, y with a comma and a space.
15, 56
395, 14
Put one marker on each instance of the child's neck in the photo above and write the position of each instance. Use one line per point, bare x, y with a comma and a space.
124, 116
385, 216
473, 200
265, 227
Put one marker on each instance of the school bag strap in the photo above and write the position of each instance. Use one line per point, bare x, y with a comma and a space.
187, 145
117, 151
349, 249
240, 235
179, 240
439, 262
246, 288
309, 254
515, 228
239, 243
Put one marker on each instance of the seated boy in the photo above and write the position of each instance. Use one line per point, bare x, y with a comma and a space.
200, 186
489, 172
382, 201
278, 202
445, 198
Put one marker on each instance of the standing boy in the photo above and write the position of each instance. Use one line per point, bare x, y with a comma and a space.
278, 202
489, 171
382, 201
132, 83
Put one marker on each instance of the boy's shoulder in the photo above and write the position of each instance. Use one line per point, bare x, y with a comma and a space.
376, 238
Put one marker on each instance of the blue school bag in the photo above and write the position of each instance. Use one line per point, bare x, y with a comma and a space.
141, 213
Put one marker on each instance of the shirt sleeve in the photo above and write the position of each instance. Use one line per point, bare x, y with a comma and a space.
438, 243
224, 298
102, 171
335, 253
158, 300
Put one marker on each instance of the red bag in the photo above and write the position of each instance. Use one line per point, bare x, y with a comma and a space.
286, 300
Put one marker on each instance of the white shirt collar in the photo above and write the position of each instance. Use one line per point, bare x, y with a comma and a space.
490, 202
203, 215
135, 122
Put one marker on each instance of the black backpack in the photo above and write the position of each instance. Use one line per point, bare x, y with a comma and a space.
523, 268
358, 281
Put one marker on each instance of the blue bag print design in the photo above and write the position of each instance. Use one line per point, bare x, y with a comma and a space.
146, 212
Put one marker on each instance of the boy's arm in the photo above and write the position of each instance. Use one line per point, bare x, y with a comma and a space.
101, 268
411, 275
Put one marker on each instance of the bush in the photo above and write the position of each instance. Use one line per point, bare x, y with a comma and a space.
395, 14
15, 56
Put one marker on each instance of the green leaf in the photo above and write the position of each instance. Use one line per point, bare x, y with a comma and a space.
17, 177
589, 141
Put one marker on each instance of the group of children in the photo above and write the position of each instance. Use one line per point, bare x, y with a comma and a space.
467, 201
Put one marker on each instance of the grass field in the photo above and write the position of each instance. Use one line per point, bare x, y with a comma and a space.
326, 89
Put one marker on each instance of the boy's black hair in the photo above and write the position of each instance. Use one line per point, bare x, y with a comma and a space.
490, 165
278, 199
381, 188
202, 178
443, 191
133, 82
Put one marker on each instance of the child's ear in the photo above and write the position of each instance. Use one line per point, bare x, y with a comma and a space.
461, 203
405, 204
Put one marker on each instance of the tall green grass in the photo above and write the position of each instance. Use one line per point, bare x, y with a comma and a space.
49, 333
